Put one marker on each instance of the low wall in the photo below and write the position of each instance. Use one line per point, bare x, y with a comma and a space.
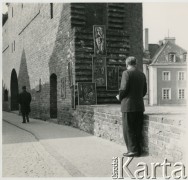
163, 128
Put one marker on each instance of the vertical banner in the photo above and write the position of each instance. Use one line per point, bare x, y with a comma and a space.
63, 87
99, 36
112, 78
87, 94
99, 71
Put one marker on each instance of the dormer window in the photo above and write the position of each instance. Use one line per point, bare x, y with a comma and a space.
172, 57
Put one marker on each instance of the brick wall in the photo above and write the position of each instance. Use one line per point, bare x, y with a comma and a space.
40, 46
163, 133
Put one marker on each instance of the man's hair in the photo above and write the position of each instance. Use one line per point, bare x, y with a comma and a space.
24, 87
131, 60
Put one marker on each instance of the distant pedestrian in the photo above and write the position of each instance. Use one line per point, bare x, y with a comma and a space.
133, 89
24, 101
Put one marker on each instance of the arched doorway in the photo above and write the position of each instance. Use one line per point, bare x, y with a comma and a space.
14, 91
53, 96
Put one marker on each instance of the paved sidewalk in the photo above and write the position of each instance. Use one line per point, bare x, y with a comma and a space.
81, 154
24, 156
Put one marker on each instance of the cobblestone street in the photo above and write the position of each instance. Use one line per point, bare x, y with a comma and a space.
43, 149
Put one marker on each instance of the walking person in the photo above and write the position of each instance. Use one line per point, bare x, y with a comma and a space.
132, 90
24, 101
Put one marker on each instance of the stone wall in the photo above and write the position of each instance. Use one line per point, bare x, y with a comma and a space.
163, 133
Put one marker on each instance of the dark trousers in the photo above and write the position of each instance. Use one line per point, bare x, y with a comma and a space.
25, 116
132, 130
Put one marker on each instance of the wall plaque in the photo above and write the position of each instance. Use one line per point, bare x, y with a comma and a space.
63, 87
112, 78
87, 94
99, 36
99, 71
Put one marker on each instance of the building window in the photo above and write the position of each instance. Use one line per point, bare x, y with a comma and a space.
172, 57
12, 11
166, 75
181, 93
166, 93
6, 95
181, 75
51, 10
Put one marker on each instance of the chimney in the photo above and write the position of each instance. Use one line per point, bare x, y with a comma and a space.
146, 39
171, 39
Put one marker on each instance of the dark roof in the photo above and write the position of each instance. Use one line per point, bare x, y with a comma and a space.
168, 47
153, 48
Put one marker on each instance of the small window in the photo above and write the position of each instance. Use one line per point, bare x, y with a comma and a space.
51, 10
166, 93
12, 11
181, 94
166, 75
6, 95
172, 57
181, 75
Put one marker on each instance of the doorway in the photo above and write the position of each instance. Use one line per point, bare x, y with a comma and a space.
53, 96
14, 91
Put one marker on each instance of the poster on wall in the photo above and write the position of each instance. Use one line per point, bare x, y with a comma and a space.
63, 87
112, 78
69, 67
87, 94
99, 71
99, 36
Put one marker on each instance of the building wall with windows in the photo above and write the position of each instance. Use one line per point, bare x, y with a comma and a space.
173, 84
167, 75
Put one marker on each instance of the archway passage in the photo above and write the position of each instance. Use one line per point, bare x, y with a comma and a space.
14, 91
53, 96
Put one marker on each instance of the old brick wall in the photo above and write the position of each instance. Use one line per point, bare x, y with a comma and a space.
163, 133
42, 47
123, 22
134, 27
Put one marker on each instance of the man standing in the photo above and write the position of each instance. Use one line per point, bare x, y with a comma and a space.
24, 101
133, 89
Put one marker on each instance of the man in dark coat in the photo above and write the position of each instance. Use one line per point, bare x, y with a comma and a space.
24, 101
133, 89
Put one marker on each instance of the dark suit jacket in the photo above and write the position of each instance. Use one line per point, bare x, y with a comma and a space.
133, 89
24, 101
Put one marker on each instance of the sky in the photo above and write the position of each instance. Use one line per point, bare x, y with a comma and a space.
164, 19
161, 18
